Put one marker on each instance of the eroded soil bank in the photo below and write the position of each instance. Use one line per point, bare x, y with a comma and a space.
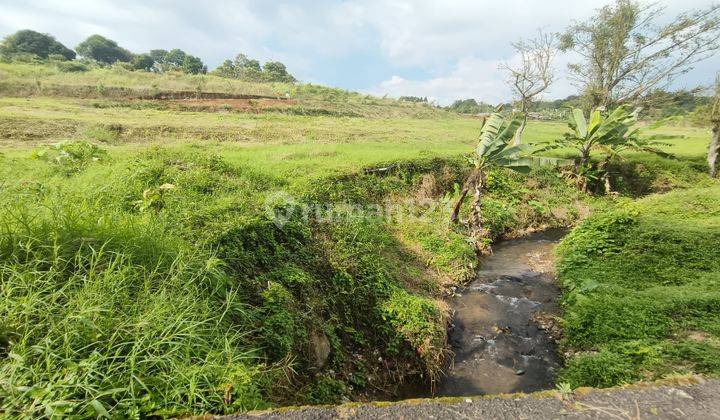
499, 333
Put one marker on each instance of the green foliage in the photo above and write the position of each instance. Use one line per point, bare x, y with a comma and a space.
173, 60
601, 370
597, 236
143, 62
70, 156
420, 322
275, 71
327, 390
233, 298
103, 50
659, 103
600, 132
610, 134
647, 272
497, 216
35, 43
193, 65
104, 133
280, 324
244, 68
494, 147
470, 106
103, 310
72, 66
212, 302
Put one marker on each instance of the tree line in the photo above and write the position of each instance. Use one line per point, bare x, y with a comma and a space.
29, 45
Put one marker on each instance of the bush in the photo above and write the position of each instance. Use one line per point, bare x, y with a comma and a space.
70, 156
71, 67
419, 322
601, 370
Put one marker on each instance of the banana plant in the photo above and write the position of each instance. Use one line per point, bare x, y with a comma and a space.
607, 133
494, 149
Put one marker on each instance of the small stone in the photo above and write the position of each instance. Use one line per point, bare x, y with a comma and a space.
468, 400
680, 393
519, 372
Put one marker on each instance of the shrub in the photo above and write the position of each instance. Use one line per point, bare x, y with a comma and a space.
602, 370
70, 156
420, 323
71, 67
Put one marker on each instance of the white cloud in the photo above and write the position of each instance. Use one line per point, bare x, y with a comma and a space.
461, 43
471, 77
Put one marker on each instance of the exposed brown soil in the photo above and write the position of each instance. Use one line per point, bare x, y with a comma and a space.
225, 104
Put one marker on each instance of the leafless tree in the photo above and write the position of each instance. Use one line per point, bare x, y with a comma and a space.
532, 75
714, 147
625, 53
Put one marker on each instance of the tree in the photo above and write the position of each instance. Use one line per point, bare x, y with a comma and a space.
625, 52
247, 68
158, 57
714, 147
243, 62
103, 50
275, 71
494, 149
533, 75
31, 42
226, 69
193, 65
470, 106
174, 59
143, 62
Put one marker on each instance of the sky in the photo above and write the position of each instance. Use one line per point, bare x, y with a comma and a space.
444, 50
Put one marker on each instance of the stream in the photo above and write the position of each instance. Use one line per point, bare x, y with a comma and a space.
499, 345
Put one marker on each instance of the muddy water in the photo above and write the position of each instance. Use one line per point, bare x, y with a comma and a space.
498, 345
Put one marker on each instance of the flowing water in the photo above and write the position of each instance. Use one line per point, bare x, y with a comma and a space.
498, 342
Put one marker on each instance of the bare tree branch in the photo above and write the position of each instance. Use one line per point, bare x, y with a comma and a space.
533, 74
626, 54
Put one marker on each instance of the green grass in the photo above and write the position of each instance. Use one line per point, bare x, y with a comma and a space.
93, 243
141, 272
640, 290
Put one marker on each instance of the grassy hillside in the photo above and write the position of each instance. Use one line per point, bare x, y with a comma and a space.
142, 271
117, 84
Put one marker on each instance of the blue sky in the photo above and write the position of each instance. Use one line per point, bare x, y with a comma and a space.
444, 50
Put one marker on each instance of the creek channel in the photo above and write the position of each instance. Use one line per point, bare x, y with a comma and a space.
499, 332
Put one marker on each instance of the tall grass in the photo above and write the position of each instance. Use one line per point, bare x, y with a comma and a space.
102, 312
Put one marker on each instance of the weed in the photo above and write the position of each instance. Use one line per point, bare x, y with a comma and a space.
70, 156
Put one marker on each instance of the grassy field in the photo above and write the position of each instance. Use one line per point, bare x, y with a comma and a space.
142, 271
